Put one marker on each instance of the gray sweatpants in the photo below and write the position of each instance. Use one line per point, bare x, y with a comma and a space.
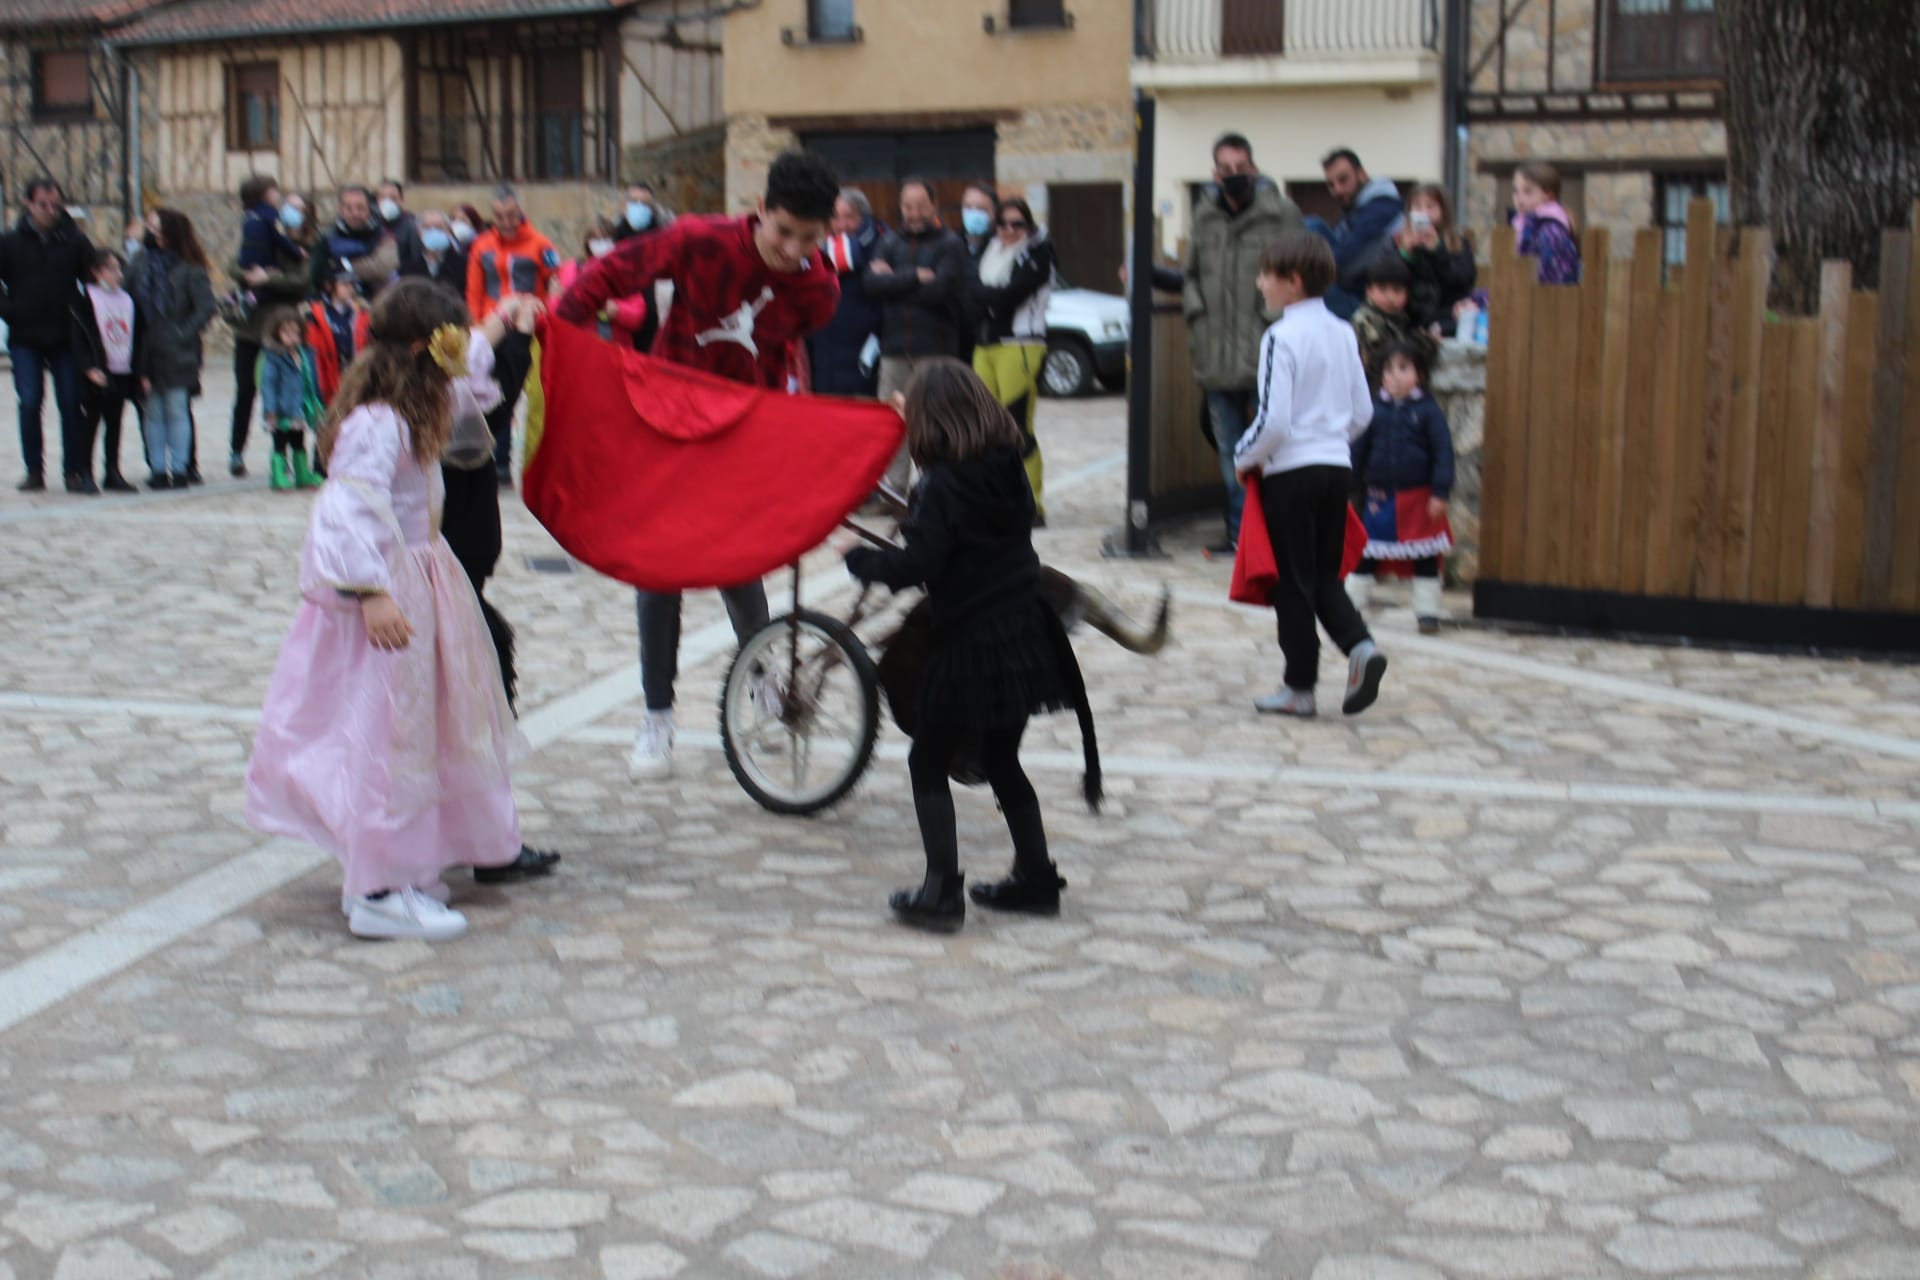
659, 616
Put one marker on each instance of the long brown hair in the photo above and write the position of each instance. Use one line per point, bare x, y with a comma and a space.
1450, 234
951, 416
395, 369
176, 234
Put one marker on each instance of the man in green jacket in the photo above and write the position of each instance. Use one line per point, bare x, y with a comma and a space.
1237, 215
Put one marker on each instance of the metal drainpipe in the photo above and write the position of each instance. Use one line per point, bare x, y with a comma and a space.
1454, 64
130, 170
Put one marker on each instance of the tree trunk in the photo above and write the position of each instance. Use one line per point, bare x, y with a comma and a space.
1823, 130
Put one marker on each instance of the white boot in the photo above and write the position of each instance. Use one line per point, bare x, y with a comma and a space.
1360, 590
652, 756
1426, 604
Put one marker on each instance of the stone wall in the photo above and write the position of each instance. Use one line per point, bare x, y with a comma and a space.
688, 173
752, 145
1571, 50
1080, 143
1609, 155
1460, 385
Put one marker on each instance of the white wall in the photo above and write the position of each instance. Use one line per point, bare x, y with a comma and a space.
1399, 137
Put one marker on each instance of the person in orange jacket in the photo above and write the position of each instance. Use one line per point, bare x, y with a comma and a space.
510, 258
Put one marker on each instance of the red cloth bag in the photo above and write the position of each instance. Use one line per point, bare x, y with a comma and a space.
670, 479
1255, 572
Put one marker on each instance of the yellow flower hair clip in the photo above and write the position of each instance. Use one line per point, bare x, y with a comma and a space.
448, 348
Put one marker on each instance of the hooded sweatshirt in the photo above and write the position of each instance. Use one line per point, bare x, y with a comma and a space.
1372, 221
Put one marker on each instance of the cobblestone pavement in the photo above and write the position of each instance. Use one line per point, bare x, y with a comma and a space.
1572, 959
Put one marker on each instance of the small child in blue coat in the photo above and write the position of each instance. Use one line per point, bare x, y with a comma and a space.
1405, 463
283, 401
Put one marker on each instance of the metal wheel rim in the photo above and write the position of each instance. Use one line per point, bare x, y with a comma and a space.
804, 755
1062, 371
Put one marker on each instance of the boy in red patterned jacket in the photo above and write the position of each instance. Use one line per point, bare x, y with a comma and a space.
745, 291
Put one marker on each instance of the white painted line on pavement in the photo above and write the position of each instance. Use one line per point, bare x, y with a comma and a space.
1446, 785
62, 704
1571, 677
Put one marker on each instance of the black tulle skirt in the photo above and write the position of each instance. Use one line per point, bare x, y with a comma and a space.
995, 673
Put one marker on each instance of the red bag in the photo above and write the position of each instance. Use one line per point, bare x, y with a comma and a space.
1255, 573
670, 479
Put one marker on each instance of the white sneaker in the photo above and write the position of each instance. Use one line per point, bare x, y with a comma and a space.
1288, 702
406, 914
652, 755
440, 891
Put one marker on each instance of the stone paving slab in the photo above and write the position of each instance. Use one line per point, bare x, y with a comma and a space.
1510, 978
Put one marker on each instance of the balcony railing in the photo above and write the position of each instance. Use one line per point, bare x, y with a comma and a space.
1209, 30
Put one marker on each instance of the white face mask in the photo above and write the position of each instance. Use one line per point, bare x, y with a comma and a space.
133, 247
599, 248
389, 210
463, 231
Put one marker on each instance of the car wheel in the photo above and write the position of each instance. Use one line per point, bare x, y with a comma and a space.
1068, 371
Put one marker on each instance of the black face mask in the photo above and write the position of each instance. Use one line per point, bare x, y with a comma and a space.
150, 240
1238, 187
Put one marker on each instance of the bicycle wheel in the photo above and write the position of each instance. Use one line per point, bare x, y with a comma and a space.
799, 713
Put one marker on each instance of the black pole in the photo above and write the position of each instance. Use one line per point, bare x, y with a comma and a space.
1137, 539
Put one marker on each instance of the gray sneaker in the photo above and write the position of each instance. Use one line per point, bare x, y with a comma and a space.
1287, 702
1364, 668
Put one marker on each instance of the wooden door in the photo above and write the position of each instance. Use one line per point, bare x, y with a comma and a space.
1087, 223
1251, 28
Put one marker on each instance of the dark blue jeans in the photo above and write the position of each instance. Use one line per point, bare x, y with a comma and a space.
1230, 414
30, 367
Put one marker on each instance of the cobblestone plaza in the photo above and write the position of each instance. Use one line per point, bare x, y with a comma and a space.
1570, 959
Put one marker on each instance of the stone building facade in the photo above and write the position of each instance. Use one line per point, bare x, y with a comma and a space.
1623, 96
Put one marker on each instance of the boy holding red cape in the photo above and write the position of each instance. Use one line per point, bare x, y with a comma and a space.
745, 290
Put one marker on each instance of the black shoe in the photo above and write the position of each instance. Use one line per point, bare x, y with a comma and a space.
530, 863
181, 479
938, 905
1035, 896
117, 483
34, 483
237, 467
193, 476
160, 483
73, 481
505, 476
82, 482
1039, 519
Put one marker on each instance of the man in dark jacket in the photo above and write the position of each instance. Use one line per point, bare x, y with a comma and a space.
401, 225
1237, 216
1374, 215
357, 242
275, 271
442, 259
844, 364
43, 261
919, 277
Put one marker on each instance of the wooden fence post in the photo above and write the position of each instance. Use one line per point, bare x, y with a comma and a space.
1905, 586
1794, 466
1583, 482
1856, 448
1883, 446
1752, 272
1643, 449
1836, 286
1675, 577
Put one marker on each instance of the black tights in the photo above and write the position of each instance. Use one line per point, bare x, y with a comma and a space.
288, 442
928, 764
1428, 568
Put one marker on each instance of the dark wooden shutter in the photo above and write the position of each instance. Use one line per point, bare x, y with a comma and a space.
1251, 28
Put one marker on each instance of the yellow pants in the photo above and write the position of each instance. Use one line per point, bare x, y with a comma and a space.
1011, 371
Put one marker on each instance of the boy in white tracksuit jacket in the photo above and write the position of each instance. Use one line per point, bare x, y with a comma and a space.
1313, 403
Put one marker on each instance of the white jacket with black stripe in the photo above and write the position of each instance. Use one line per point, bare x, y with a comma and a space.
1313, 395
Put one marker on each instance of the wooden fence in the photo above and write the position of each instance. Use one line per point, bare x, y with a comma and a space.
1673, 458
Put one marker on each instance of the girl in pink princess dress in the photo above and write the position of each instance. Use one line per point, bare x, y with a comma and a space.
386, 734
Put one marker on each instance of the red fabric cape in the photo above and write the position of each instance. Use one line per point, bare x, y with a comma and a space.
1256, 573
670, 479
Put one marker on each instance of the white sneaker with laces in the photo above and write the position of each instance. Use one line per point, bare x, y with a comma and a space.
1288, 702
652, 755
440, 891
406, 914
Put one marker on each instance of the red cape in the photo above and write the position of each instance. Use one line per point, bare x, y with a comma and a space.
1255, 572
670, 479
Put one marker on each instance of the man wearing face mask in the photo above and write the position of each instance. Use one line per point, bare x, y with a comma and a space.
274, 270
400, 224
1238, 215
442, 258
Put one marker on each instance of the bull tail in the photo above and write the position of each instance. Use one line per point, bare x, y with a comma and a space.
1103, 616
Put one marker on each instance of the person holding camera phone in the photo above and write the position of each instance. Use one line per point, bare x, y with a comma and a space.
1439, 258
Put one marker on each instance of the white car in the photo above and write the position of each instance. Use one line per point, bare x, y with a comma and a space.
1086, 340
